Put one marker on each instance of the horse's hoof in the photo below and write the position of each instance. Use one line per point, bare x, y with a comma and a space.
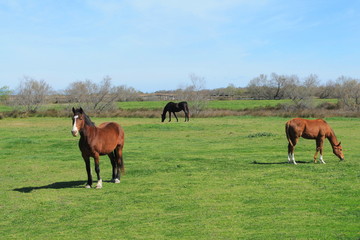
115, 180
99, 184
87, 186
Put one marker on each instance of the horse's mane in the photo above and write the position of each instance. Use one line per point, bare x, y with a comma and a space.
88, 120
86, 117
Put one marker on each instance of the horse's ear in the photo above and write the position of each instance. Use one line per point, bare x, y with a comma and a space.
339, 144
73, 109
81, 110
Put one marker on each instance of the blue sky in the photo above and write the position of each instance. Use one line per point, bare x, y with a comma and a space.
156, 44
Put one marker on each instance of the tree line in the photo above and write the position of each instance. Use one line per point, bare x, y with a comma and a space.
102, 96
302, 91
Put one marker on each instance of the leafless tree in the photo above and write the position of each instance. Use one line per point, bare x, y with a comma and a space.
31, 94
98, 97
311, 83
277, 85
259, 87
195, 93
349, 92
284, 86
299, 92
328, 90
92, 96
125, 93
79, 92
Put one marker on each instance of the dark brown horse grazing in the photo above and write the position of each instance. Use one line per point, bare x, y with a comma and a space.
106, 139
172, 107
311, 129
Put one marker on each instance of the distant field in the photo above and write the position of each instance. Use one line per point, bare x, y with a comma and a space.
214, 104
210, 178
152, 105
218, 104
4, 108
244, 104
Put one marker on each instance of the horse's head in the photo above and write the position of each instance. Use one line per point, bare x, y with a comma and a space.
78, 121
337, 150
163, 116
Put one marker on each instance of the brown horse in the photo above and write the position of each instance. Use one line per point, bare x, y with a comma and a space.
172, 107
106, 139
311, 129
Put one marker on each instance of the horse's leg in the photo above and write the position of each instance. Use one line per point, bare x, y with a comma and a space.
291, 156
119, 163
169, 116
291, 148
113, 164
88, 170
316, 150
186, 115
319, 148
176, 117
97, 170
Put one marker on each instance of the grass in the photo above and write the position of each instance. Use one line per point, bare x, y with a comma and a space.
4, 108
245, 104
213, 178
214, 108
218, 104
150, 105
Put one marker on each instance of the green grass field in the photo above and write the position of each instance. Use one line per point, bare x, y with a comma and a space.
214, 104
211, 178
218, 104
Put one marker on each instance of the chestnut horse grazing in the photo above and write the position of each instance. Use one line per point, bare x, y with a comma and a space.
106, 139
311, 129
172, 107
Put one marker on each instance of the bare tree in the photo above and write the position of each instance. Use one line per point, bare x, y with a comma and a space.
263, 88
284, 86
125, 93
98, 97
31, 94
195, 93
298, 92
328, 90
277, 85
79, 92
349, 92
259, 87
311, 83
94, 97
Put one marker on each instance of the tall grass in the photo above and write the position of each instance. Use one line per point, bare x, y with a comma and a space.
213, 178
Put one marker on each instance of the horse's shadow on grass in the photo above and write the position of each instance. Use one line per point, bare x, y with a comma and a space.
56, 185
270, 163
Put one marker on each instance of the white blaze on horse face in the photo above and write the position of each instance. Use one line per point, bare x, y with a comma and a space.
75, 130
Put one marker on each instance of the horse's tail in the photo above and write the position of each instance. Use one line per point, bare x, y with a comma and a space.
122, 166
187, 109
163, 115
287, 127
